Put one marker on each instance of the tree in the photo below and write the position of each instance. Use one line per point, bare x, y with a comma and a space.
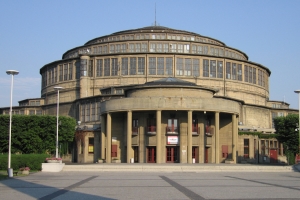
286, 129
35, 134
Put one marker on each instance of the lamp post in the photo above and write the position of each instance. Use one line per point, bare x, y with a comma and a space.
9, 169
57, 112
298, 92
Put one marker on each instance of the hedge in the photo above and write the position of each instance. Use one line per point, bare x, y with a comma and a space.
33, 161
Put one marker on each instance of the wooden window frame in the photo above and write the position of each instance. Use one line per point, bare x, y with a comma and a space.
246, 148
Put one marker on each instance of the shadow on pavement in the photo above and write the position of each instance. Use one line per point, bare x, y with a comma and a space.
44, 192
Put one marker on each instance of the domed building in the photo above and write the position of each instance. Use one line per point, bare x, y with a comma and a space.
160, 95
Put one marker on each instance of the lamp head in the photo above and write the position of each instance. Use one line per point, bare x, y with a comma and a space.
297, 91
12, 72
58, 88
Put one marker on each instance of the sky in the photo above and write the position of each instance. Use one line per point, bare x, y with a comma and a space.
34, 33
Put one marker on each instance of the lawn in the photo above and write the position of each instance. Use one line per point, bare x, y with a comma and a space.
3, 174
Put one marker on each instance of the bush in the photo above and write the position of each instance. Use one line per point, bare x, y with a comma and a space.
33, 161
290, 157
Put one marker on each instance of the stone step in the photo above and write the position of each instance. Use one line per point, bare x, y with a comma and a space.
105, 167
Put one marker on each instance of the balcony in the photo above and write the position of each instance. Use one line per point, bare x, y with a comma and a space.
172, 130
195, 130
151, 130
135, 130
209, 131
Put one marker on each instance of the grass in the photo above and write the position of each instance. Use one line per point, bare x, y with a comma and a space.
3, 174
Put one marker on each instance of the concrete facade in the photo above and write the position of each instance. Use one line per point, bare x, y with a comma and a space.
157, 94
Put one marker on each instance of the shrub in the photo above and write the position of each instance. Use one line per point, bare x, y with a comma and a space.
33, 161
24, 169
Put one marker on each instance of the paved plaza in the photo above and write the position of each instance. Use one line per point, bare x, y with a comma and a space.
152, 185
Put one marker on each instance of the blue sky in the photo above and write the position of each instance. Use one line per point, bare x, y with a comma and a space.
36, 32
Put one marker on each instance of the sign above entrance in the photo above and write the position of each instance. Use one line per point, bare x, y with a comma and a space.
172, 139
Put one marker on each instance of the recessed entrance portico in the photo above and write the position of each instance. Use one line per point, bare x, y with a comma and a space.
175, 128
183, 147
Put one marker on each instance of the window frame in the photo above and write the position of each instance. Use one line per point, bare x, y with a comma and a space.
246, 148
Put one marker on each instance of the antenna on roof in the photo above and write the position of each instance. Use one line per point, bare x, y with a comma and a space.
155, 15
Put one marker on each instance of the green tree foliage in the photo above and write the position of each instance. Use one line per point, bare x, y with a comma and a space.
35, 134
259, 134
285, 128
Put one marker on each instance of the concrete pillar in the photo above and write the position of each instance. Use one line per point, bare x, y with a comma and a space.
234, 138
96, 145
142, 133
190, 138
217, 128
85, 148
103, 142
84, 79
158, 136
108, 138
202, 140
129, 133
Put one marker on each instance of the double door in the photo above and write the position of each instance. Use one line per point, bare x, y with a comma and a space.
172, 155
151, 154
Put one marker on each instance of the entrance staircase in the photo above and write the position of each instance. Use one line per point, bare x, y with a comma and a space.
145, 167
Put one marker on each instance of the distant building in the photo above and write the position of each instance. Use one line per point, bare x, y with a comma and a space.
160, 95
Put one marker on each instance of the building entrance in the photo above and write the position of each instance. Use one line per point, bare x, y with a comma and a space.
273, 156
151, 154
172, 154
136, 154
195, 154
206, 155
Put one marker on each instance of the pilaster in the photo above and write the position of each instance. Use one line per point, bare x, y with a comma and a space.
129, 133
158, 136
217, 136
108, 138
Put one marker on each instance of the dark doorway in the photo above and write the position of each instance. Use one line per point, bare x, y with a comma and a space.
136, 154
172, 155
206, 155
151, 154
195, 154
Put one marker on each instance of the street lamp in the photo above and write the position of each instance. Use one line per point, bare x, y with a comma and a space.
9, 169
57, 112
298, 92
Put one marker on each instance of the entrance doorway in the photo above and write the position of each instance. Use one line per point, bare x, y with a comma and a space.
136, 154
206, 155
151, 154
195, 154
172, 155
273, 156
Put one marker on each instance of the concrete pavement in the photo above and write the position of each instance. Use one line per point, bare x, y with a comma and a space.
153, 185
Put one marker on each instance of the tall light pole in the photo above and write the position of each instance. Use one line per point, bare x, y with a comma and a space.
57, 112
9, 169
298, 91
